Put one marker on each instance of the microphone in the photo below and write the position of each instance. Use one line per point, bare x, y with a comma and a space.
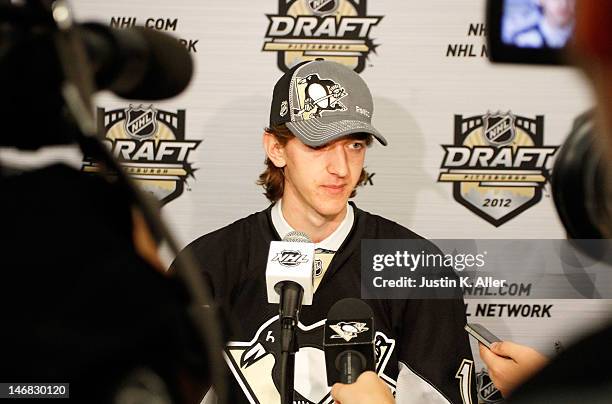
289, 282
137, 63
290, 265
348, 341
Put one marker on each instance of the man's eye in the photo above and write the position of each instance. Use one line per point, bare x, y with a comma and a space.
315, 148
357, 145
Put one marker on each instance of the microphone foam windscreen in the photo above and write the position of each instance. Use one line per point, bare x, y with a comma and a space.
297, 237
349, 308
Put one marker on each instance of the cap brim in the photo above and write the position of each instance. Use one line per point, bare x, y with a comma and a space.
319, 131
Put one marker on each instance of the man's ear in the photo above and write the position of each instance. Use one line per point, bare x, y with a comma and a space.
274, 150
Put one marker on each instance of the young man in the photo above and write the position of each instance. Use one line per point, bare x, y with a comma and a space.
320, 125
553, 29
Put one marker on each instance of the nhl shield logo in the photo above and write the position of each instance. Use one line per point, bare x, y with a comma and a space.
318, 267
323, 7
284, 108
140, 123
487, 392
498, 164
499, 128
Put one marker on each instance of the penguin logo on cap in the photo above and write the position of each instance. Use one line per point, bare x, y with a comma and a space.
316, 95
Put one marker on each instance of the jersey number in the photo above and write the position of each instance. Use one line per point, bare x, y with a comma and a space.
464, 374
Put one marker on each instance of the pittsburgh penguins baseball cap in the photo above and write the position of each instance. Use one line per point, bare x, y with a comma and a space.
321, 101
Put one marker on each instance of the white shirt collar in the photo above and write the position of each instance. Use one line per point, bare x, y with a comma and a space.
332, 242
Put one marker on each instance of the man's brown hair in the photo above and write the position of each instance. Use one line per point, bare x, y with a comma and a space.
273, 178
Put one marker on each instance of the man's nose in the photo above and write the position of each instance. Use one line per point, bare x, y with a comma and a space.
337, 160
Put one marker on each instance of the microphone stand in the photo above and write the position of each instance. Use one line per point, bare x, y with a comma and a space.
288, 366
291, 294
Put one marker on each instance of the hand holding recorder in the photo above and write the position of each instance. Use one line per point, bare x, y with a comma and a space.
509, 364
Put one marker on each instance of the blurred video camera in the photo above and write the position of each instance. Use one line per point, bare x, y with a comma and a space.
530, 31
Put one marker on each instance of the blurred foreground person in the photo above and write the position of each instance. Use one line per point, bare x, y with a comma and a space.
82, 297
583, 372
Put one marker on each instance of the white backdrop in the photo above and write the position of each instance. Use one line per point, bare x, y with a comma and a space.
417, 90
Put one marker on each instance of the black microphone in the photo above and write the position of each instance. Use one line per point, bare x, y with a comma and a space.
137, 63
349, 341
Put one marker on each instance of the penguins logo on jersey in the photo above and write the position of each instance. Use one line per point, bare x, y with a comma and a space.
347, 330
316, 95
487, 392
150, 144
497, 164
305, 30
256, 364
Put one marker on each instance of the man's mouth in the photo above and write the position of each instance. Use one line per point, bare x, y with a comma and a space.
334, 188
